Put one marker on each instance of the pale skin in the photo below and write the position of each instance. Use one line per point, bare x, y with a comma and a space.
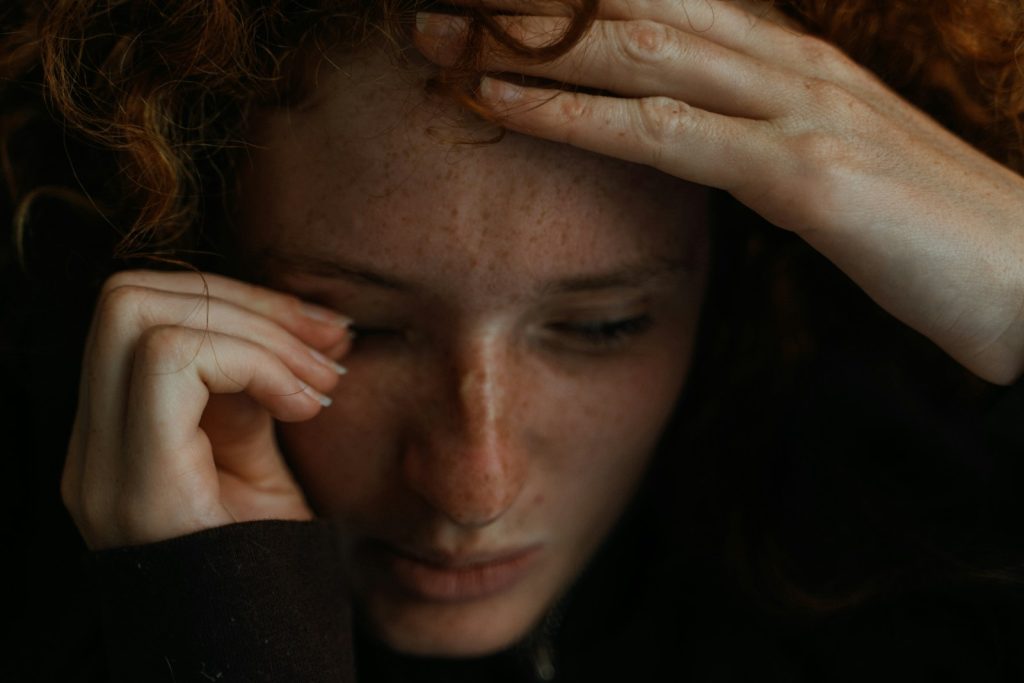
731, 95
478, 414
524, 314
180, 395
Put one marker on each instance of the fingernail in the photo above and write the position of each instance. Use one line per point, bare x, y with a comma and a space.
499, 91
337, 367
440, 25
320, 398
325, 315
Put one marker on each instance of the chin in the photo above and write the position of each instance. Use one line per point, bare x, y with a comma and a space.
474, 629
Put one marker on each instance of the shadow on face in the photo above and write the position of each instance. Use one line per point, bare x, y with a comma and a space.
524, 315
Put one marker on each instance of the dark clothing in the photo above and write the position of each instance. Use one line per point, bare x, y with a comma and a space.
249, 602
261, 602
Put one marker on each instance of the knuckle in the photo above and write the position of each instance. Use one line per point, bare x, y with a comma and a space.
817, 150
817, 52
826, 95
572, 114
661, 120
164, 345
824, 163
288, 306
118, 300
120, 279
824, 160
262, 357
645, 41
572, 108
273, 339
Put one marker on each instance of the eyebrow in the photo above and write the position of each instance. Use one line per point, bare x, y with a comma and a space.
272, 259
628, 276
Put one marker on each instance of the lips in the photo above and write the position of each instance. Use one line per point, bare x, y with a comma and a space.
438, 576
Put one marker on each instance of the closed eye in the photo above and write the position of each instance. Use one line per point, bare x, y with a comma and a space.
603, 334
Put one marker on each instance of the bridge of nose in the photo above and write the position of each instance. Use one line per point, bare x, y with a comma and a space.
468, 460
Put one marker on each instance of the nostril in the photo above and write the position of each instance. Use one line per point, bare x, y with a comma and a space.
465, 495
471, 487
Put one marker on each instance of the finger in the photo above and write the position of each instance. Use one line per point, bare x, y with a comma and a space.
175, 370
754, 29
147, 307
313, 324
633, 58
669, 135
171, 385
127, 311
110, 329
164, 476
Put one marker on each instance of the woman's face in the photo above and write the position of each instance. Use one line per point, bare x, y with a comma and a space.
524, 317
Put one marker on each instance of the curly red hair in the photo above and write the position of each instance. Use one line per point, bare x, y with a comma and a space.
164, 88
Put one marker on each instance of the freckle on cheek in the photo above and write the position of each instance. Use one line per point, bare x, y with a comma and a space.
538, 499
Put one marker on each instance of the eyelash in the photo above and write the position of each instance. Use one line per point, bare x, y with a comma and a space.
605, 334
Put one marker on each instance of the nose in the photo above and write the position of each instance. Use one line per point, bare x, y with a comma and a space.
468, 461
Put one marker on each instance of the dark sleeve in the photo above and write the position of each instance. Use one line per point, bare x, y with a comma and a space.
255, 601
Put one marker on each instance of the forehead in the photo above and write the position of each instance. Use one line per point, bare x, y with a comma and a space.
372, 154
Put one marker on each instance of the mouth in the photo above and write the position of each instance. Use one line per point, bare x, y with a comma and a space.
439, 576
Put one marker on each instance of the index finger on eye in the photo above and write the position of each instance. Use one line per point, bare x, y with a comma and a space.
316, 325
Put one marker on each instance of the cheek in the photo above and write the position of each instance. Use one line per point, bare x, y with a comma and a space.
613, 422
616, 415
345, 457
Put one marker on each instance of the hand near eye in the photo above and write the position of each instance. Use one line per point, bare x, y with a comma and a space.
729, 95
174, 430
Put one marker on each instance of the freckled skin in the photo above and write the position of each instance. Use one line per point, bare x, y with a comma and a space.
480, 425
